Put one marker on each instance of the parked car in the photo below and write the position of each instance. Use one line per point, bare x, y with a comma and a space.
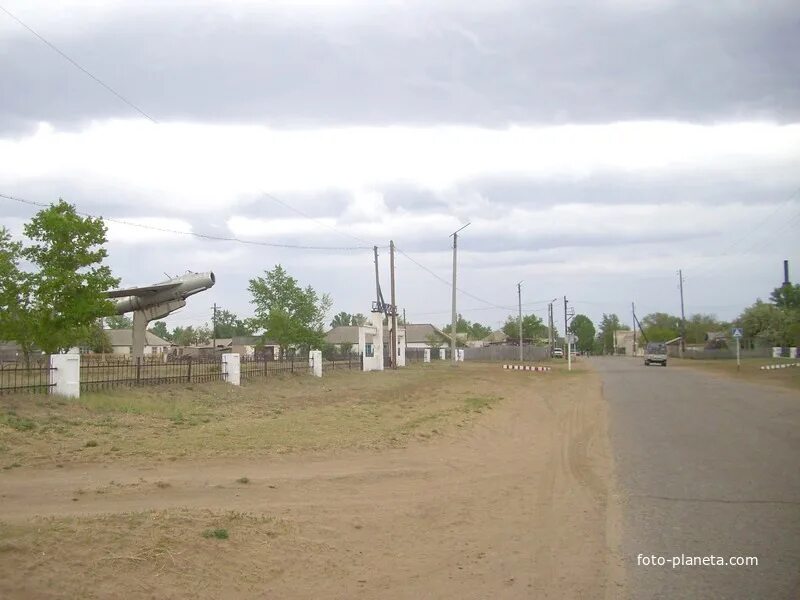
656, 352
558, 353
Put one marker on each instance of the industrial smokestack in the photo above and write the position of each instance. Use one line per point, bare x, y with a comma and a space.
786, 272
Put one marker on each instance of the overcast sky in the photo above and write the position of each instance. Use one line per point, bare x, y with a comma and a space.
596, 147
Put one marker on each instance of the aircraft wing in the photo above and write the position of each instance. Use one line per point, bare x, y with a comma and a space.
147, 290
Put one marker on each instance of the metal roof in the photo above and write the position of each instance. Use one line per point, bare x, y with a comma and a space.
124, 337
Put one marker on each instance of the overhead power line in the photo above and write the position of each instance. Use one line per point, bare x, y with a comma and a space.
450, 283
139, 110
313, 219
217, 238
706, 264
77, 65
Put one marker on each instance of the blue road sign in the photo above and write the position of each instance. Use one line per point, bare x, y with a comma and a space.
737, 332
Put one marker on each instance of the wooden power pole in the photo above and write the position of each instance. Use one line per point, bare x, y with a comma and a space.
393, 336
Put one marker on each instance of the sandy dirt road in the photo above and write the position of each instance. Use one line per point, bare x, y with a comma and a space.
520, 505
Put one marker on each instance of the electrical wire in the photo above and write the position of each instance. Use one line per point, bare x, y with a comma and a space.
450, 283
313, 219
77, 65
110, 89
479, 308
204, 236
708, 263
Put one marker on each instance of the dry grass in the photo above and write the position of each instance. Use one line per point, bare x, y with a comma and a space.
750, 370
346, 409
147, 554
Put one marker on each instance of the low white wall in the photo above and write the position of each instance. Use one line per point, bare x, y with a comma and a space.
231, 366
66, 375
315, 362
401, 347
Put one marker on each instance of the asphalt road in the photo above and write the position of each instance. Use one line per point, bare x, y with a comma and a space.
706, 466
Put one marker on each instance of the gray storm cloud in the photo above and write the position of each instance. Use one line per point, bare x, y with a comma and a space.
533, 62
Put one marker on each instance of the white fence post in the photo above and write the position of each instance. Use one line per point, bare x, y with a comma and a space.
427, 357
232, 367
315, 362
65, 375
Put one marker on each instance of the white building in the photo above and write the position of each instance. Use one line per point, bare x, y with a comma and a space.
368, 341
122, 340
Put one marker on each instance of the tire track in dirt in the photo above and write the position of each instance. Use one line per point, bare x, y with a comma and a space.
513, 507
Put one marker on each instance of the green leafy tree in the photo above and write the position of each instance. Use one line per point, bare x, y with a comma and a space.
97, 341
290, 314
346, 319
192, 336
16, 322
229, 325
68, 289
203, 335
435, 341
532, 328
183, 336
786, 297
119, 322
583, 327
661, 327
698, 325
341, 319
160, 329
608, 325
769, 325
478, 331
462, 326
474, 331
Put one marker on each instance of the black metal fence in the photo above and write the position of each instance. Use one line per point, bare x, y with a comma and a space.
99, 372
20, 378
114, 372
342, 362
259, 366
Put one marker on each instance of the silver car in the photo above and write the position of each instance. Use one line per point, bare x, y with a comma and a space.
656, 352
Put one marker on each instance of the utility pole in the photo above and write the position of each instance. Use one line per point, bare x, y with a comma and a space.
404, 318
394, 306
633, 314
566, 337
551, 326
683, 316
455, 317
377, 279
519, 297
214, 323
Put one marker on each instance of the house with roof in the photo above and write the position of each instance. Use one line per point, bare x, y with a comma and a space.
495, 338
121, 341
425, 335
